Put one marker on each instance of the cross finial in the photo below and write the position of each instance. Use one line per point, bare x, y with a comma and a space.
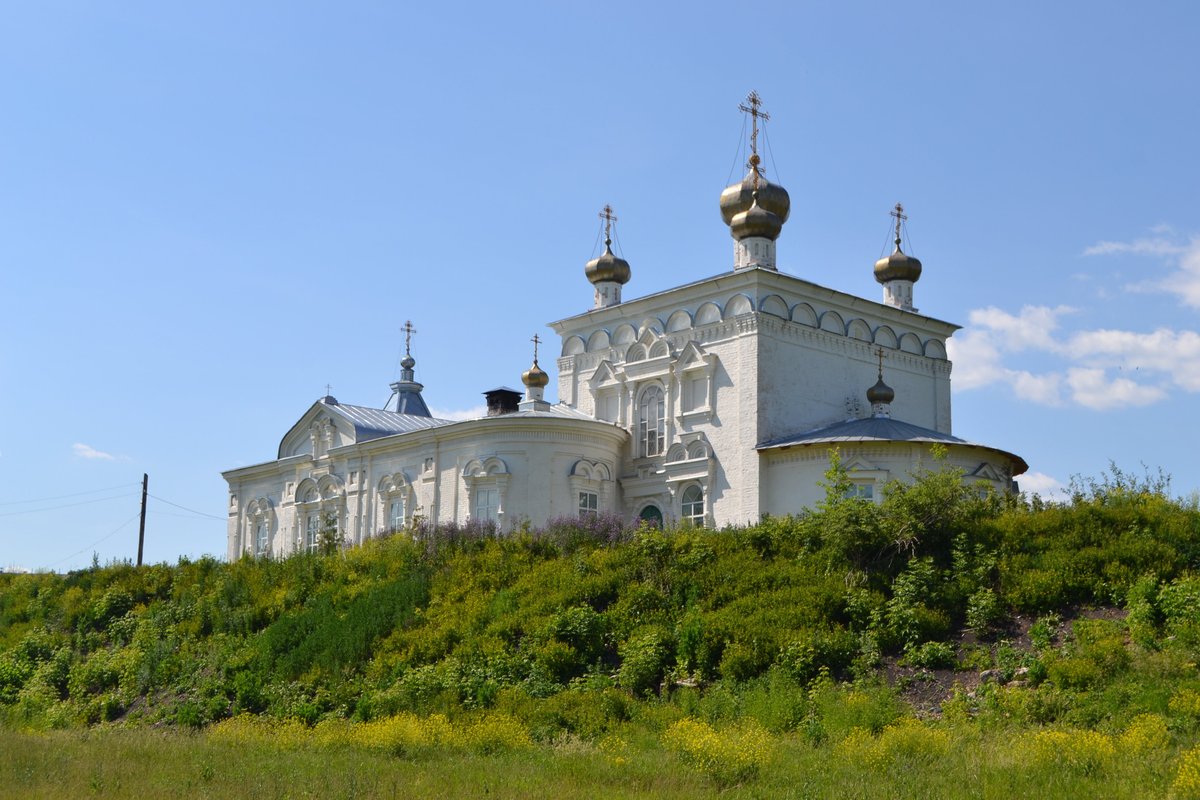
879, 353
536, 341
898, 213
328, 390
752, 106
609, 218
409, 330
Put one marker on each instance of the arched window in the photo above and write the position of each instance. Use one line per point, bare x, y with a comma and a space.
693, 506
651, 422
653, 515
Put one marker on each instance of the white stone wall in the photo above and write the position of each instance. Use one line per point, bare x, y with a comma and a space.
792, 476
788, 356
538, 454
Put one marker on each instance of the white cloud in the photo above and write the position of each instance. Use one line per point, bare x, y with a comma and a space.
1142, 247
466, 413
1183, 256
1040, 483
1093, 389
1032, 328
1045, 389
1101, 369
91, 453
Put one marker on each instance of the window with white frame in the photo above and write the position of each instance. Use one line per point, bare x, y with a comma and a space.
651, 422
693, 506
312, 532
589, 504
396, 513
487, 504
486, 480
695, 392
262, 538
861, 489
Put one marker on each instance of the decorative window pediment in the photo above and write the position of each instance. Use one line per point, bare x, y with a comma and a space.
320, 508
591, 487
987, 472
260, 527
605, 375
689, 459
649, 356
395, 501
866, 479
487, 484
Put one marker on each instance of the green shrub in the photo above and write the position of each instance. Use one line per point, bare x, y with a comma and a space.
643, 662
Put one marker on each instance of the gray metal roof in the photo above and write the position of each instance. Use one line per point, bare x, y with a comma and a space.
879, 429
871, 429
374, 423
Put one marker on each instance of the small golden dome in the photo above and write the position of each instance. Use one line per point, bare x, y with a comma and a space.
608, 267
535, 376
899, 266
756, 221
740, 196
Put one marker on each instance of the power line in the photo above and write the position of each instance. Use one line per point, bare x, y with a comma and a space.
64, 496
106, 536
66, 505
185, 508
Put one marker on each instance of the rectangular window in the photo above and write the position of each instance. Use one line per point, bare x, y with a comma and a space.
312, 531
487, 504
864, 490
695, 393
261, 539
606, 407
589, 504
396, 514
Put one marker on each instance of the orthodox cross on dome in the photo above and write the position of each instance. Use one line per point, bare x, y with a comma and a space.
536, 341
609, 218
752, 106
328, 390
409, 330
879, 353
898, 213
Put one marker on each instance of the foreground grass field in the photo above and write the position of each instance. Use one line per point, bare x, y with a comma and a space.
933, 763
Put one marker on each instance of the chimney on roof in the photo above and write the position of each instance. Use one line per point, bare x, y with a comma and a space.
502, 400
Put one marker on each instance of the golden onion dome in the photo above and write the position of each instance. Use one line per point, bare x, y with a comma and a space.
880, 393
739, 197
899, 266
608, 267
756, 221
535, 376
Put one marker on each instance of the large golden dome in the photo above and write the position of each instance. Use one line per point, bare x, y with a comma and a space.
739, 197
899, 266
608, 267
756, 221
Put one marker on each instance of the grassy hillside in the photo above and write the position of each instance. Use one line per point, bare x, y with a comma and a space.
992, 620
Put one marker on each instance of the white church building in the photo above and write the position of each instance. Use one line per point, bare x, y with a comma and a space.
713, 403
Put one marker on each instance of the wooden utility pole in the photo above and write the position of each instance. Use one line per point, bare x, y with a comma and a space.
142, 526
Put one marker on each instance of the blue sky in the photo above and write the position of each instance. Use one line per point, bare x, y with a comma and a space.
210, 211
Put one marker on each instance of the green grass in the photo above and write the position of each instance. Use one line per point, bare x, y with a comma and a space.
588, 659
139, 763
